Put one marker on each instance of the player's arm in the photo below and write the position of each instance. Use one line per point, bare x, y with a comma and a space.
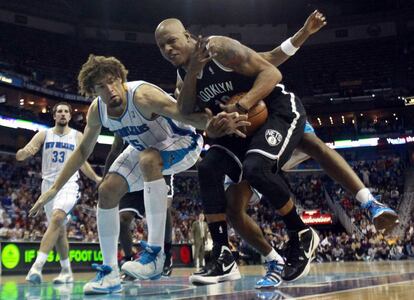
153, 101
243, 60
32, 147
187, 86
282, 53
76, 160
116, 149
86, 168
187, 101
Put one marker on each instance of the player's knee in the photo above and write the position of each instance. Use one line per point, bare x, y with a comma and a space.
108, 193
253, 169
258, 171
205, 168
58, 218
149, 161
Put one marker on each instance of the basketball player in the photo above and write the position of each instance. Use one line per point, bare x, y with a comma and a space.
239, 196
132, 206
211, 71
57, 144
141, 113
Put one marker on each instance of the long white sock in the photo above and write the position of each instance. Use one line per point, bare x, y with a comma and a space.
108, 232
273, 255
156, 202
364, 195
40, 260
65, 264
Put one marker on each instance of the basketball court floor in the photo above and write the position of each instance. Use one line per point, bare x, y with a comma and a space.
341, 280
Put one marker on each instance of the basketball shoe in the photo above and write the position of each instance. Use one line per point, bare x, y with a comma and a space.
65, 276
384, 218
299, 253
107, 281
224, 269
34, 276
273, 277
149, 265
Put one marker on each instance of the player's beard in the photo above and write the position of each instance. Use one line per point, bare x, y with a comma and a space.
62, 123
115, 102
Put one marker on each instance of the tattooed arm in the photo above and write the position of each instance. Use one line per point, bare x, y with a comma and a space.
241, 59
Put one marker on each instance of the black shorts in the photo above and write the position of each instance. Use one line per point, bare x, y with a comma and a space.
277, 138
134, 202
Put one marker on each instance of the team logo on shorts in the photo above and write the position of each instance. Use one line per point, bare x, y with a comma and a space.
273, 137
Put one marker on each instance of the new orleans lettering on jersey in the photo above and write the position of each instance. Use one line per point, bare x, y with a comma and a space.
60, 145
56, 151
135, 129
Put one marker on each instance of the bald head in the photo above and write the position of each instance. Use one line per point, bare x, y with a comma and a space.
174, 41
170, 25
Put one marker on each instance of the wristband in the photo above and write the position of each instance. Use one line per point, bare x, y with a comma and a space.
288, 48
241, 108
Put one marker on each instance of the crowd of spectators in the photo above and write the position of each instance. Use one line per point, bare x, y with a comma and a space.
20, 187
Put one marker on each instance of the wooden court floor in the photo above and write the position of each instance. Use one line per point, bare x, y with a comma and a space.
341, 280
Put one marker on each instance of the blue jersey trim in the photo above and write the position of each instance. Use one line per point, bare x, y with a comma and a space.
170, 158
178, 130
308, 128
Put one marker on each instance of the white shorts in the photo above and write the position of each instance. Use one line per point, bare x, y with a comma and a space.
296, 158
65, 199
178, 153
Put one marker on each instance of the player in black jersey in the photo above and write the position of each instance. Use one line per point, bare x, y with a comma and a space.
132, 206
210, 71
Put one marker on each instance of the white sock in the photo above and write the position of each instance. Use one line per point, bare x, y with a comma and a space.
156, 202
364, 195
65, 264
40, 260
108, 232
273, 255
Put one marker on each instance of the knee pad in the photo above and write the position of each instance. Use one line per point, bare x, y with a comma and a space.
258, 171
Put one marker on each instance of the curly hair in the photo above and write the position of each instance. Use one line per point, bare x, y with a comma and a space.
95, 69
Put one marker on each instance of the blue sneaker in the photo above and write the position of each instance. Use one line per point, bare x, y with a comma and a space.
273, 277
34, 276
149, 265
384, 218
107, 281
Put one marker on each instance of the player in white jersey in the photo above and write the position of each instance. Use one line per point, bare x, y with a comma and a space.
57, 144
141, 113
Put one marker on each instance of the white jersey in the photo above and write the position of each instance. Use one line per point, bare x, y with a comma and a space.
56, 151
138, 131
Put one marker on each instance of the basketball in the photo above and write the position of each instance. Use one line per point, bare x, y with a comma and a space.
257, 115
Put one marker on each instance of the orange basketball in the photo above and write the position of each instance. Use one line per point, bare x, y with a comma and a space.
257, 115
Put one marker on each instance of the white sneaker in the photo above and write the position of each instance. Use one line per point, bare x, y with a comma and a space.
149, 265
34, 276
65, 276
107, 281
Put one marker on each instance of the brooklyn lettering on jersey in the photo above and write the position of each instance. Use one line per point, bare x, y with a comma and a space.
132, 130
60, 145
212, 90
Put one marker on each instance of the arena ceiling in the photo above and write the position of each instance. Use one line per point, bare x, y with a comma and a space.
146, 14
